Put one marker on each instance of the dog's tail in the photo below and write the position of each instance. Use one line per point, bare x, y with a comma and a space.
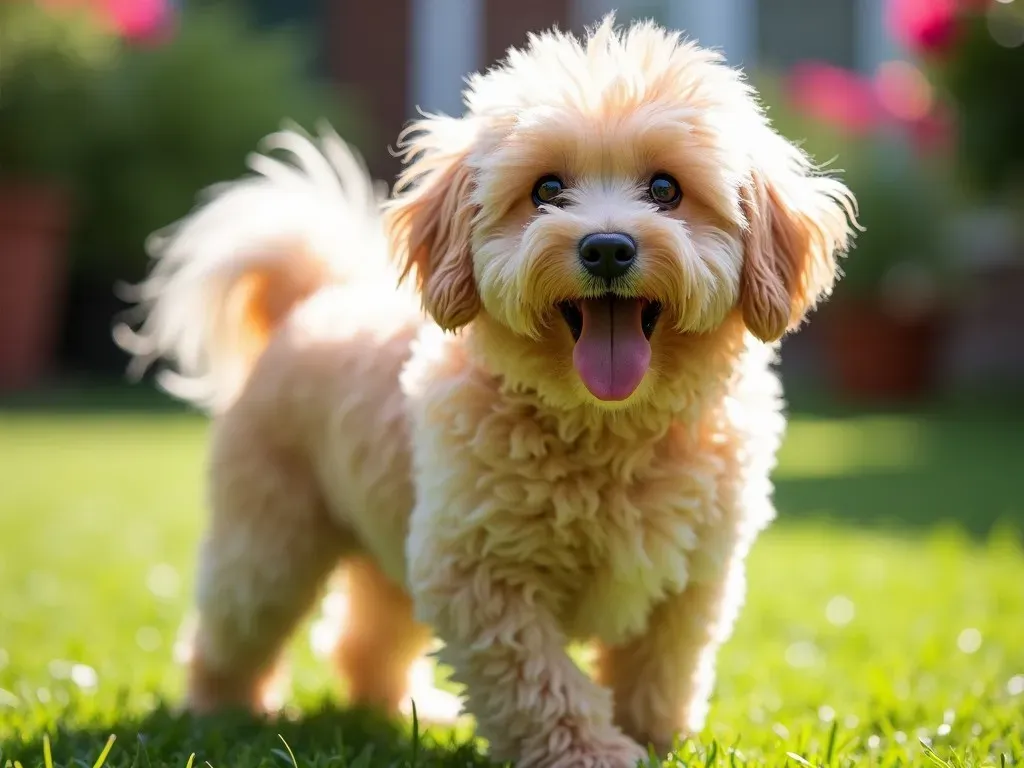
227, 274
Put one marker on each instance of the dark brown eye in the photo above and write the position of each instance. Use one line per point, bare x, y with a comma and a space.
546, 190
664, 191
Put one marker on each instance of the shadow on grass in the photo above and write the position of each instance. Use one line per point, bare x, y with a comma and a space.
325, 736
93, 396
958, 460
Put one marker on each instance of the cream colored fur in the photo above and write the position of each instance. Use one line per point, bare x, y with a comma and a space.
452, 461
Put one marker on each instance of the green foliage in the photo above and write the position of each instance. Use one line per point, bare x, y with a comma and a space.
874, 620
48, 64
904, 206
985, 80
176, 117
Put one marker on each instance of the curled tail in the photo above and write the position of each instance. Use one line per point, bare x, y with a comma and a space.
226, 275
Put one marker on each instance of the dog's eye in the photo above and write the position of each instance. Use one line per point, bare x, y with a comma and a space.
664, 191
546, 191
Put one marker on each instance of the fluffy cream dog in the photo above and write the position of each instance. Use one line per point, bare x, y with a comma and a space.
576, 444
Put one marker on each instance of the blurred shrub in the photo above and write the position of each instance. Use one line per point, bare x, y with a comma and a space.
904, 205
984, 75
49, 60
904, 198
177, 116
974, 52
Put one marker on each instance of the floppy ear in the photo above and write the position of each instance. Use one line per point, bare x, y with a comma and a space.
430, 224
798, 225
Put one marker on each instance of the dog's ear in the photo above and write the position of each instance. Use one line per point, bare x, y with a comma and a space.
798, 225
430, 220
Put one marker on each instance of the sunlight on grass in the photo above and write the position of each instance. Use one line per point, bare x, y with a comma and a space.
835, 447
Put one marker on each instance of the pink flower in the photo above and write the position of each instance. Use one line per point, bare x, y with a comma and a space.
835, 96
132, 19
899, 96
138, 19
926, 26
910, 103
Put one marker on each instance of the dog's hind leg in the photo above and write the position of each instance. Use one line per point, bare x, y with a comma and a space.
268, 550
381, 650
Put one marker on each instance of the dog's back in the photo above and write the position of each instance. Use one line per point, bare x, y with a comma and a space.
279, 308
278, 305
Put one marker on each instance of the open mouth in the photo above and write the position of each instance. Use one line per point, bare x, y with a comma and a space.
612, 335
573, 316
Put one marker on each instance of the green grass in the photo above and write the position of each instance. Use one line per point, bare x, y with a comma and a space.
886, 605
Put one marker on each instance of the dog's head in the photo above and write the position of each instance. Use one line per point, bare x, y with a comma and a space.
601, 204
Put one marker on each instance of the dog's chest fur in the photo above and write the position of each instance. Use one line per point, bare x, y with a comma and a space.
609, 519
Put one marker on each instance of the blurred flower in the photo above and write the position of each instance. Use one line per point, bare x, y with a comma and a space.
136, 20
904, 91
931, 27
924, 26
909, 100
836, 96
898, 96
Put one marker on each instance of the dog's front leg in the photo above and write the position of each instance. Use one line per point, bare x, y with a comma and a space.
663, 679
531, 702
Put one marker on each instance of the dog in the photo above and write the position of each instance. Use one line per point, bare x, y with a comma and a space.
526, 400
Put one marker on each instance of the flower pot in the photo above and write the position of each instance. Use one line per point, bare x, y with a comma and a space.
874, 355
33, 231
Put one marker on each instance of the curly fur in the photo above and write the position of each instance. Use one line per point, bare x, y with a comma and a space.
451, 460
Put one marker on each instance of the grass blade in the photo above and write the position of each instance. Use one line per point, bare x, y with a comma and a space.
415, 736
288, 756
932, 755
831, 748
802, 761
712, 754
364, 759
106, 751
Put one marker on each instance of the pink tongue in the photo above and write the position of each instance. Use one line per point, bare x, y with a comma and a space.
612, 354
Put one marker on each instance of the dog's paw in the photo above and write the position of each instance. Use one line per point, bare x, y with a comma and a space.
623, 753
565, 749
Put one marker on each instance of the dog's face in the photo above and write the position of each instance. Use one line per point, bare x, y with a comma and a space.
603, 204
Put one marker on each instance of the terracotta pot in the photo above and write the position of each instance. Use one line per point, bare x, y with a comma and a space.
873, 355
33, 234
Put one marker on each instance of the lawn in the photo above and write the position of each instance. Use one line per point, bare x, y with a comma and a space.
885, 621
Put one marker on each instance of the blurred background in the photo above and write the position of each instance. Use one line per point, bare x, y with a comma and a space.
113, 113
901, 482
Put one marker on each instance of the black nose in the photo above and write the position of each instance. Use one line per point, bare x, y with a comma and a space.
607, 254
